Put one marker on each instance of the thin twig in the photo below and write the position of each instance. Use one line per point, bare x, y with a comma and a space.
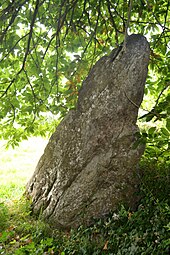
13, 47
30, 33
127, 23
27, 50
160, 94
32, 89
153, 111
137, 106
112, 19
14, 15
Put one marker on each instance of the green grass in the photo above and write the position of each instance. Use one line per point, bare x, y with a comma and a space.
145, 231
17, 166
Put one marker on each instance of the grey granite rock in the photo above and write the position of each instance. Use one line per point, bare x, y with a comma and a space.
89, 165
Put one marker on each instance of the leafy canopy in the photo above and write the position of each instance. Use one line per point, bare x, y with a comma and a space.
47, 48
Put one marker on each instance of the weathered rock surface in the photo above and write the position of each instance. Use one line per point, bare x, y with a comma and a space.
89, 165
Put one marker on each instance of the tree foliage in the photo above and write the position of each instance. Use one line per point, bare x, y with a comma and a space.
48, 47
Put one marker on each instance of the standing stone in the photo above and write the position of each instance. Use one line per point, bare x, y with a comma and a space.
89, 165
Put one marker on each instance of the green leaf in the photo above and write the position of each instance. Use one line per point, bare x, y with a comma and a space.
165, 132
151, 130
166, 153
89, 29
168, 124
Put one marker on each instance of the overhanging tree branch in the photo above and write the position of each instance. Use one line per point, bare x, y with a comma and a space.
30, 33
153, 112
112, 18
13, 9
6, 55
27, 49
128, 22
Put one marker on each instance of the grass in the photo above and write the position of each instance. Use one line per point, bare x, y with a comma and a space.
17, 166
145, 231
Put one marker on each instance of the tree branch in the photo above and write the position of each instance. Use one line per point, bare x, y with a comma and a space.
32, 89
153, 111
128, 22
27, 49
112, 19
13, 47
14, 15
30, 33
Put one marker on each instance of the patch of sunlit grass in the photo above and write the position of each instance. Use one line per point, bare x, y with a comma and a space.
17, 166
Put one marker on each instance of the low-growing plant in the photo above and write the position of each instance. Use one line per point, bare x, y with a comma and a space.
145, 231
4, 216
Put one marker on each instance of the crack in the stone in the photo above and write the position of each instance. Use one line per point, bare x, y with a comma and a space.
54, 207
